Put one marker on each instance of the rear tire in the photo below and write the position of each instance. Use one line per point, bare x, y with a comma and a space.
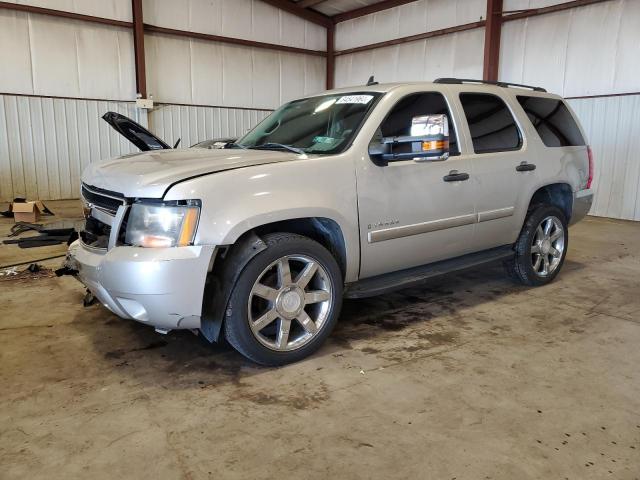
285, 302
541, 247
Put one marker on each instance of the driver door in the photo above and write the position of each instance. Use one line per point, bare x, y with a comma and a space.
413, 213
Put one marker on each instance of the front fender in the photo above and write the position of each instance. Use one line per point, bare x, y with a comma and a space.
236, 201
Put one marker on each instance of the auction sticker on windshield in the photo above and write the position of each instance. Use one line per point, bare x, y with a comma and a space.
355, 99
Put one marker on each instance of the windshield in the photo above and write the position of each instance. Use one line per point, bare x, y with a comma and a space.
324, 124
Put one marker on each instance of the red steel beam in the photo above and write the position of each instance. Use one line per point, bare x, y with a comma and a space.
138, 48
413, 38
492, 32
309, 3
295, 9
62, 14
331, 56
232, 40
368, 10
534, 12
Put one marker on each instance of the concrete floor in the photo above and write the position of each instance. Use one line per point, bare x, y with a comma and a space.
470, 377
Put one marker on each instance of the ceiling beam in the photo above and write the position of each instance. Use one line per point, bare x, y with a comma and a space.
309, 3
369, 9
295, 9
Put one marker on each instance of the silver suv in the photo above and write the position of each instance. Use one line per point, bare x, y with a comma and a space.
350, 193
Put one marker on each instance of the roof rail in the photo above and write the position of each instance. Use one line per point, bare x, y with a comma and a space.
487, 82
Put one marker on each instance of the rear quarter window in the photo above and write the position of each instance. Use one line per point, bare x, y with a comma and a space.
552, 120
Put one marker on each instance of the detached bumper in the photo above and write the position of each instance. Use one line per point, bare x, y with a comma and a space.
582, 200
162, 287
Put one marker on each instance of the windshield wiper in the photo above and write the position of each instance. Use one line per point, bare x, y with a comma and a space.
272, 146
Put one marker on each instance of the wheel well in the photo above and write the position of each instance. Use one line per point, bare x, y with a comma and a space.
323, 230
558, 194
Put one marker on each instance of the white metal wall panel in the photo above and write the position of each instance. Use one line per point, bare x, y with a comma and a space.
612, 125
247, 19
454, 55
114, 9
195, 124
410, 19
590, 50
191, 71
45, 143
43, 55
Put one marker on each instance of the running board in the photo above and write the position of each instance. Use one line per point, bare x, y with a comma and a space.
411, 277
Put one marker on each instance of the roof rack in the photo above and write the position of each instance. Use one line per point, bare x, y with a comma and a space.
487, 82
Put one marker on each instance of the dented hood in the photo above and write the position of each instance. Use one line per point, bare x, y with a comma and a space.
149, 174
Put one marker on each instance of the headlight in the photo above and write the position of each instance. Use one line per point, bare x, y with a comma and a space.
161, 225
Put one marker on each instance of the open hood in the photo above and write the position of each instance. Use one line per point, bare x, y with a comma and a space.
134, 132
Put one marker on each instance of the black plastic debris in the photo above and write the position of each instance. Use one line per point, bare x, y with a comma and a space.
48, 235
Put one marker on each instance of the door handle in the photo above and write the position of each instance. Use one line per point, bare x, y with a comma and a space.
455, 176
525, 167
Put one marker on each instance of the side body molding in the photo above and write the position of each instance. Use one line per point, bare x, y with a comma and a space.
435, 225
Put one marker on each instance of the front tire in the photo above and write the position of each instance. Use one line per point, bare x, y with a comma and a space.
541, 247
285, 302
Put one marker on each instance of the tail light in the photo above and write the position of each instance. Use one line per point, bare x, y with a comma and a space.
590, 179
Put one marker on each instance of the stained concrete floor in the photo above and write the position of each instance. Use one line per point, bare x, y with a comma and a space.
468, 377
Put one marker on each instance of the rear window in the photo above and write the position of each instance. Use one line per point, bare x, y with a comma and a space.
552, 120
491, 124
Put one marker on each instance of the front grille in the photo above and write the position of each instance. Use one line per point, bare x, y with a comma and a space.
102, 199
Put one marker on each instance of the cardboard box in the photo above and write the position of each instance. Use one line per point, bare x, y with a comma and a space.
27, 211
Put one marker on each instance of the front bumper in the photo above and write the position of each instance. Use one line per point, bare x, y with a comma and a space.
161, 287
582, 200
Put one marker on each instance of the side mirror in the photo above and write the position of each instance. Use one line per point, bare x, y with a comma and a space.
428, 141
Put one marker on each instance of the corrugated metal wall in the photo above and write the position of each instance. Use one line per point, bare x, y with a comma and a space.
612, 125
45, 143
455, 55
458, 54
182, 70
409, 19
590, 50
585, 51
195, 124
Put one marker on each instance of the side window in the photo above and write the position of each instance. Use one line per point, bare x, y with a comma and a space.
398, 121
553, 121
491, 124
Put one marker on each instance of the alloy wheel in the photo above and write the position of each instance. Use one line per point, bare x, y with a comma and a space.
547, 246
290, 302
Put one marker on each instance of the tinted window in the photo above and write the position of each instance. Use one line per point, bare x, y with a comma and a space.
398, 122
552, 120
491, 124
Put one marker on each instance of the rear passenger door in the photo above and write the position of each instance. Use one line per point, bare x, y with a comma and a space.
501, 183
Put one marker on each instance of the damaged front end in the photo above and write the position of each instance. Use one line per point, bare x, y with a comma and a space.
160, 286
